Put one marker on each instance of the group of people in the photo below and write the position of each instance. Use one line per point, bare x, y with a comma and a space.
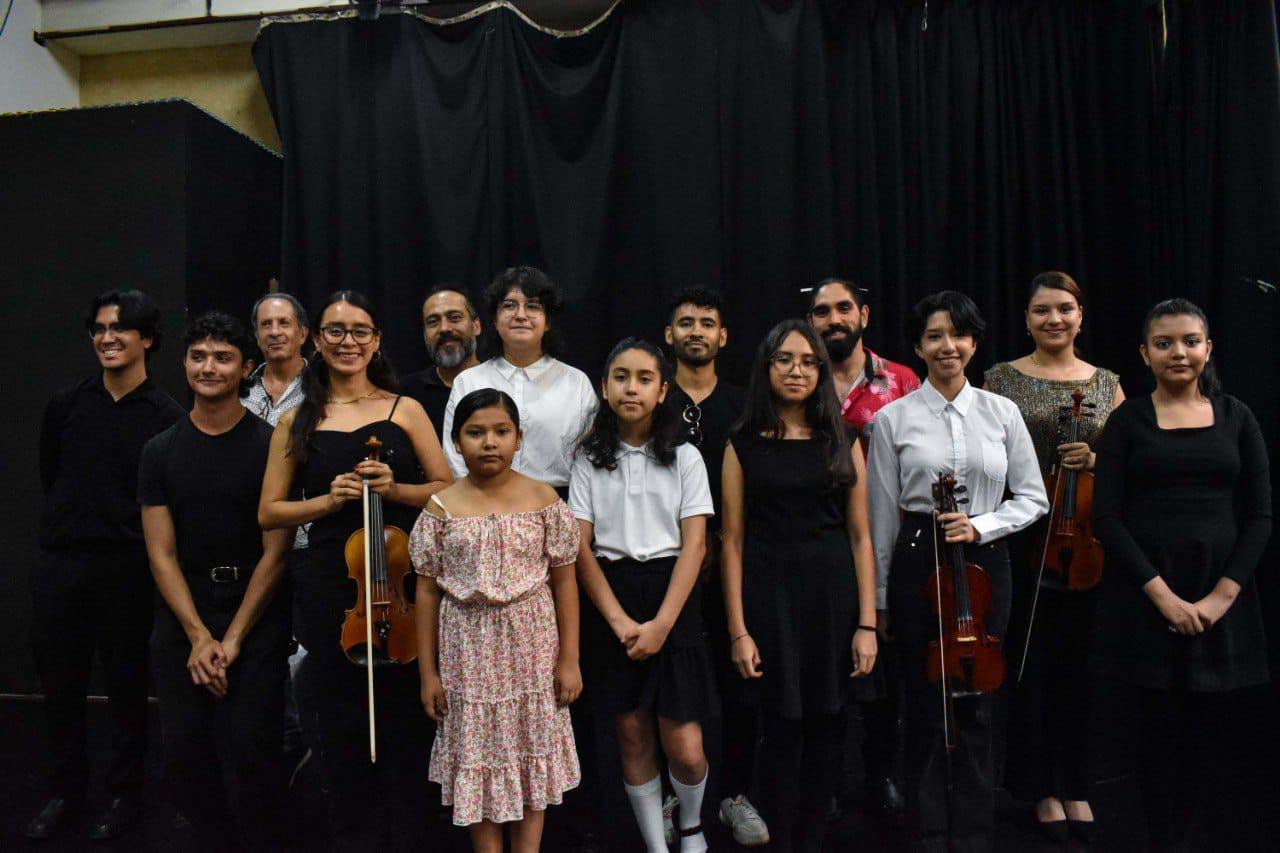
622, 561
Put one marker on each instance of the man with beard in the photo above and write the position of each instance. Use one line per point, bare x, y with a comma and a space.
92, 590
708, 406
450, 327
865, 383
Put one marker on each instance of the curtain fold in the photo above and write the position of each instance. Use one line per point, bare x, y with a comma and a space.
759, 145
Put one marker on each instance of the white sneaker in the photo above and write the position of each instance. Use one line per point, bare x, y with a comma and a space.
668, 819
748, 827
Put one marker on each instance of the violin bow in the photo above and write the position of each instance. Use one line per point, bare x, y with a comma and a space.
368, 621
942, 654
1035, 596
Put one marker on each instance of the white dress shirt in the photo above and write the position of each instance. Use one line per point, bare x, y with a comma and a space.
637, 507
555, 402
979, 437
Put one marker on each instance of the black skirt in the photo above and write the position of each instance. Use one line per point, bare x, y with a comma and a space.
677, 683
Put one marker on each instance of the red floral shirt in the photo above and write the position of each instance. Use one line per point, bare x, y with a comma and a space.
886, 381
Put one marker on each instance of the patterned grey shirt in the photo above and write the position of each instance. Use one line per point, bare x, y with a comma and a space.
259, 403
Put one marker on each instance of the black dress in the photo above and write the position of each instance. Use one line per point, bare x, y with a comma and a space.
1194, 506
371, 807
799, 592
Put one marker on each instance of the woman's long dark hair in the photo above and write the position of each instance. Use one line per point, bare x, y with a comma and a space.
1207, 381
315, 378
821, 410
599, 443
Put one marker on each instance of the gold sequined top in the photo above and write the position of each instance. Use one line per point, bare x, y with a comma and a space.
1042, 403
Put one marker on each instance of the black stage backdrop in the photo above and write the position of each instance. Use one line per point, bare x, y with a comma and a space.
759, 145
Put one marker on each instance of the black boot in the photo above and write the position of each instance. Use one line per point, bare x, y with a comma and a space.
118, 818
884, 799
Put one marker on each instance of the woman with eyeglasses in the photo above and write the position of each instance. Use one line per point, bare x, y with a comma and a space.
314, 474
555, 400
799, 575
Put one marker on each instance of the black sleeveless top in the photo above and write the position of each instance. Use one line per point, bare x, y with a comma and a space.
335, 452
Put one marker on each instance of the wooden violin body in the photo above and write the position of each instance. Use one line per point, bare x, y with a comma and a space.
970, 661
395, 641
379, 629
1070, 553
965, 660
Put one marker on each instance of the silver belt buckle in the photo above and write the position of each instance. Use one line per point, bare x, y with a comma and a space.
224, 574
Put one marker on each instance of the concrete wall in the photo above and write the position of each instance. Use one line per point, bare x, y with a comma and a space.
32, 77
220, 79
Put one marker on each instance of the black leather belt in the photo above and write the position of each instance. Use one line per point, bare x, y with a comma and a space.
224, 574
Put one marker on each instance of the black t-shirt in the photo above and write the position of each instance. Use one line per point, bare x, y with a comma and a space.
211, 485
89, 450
719, 411
426, 387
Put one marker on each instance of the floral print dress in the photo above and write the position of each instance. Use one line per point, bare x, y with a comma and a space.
505, 744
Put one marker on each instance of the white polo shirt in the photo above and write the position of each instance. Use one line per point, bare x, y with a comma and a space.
637, 508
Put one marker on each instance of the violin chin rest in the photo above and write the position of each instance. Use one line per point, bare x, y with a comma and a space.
359, 655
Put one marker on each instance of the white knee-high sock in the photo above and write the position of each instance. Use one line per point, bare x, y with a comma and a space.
646, 802
690, 797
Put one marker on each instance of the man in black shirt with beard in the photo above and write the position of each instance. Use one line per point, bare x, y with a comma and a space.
709, 406
449, 329
92, 591
221, 640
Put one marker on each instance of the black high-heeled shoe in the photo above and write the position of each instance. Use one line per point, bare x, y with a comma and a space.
1054, 830
1081, 830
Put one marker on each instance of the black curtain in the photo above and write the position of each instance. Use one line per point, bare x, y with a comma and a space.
759, 145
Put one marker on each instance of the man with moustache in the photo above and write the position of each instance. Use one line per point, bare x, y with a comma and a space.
708, 406
222, 632
865, 383
92, 591
450, 327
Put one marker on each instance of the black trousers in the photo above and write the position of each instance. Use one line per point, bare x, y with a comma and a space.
87, 603
1049, 709
950, 798
223, 767
802, 758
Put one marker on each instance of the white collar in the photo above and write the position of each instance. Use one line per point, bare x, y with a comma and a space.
936, 402
533, 371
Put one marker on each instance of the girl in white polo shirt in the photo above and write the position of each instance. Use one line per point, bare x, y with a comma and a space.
642, 503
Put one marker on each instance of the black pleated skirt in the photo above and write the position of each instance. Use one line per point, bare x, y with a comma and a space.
677, 683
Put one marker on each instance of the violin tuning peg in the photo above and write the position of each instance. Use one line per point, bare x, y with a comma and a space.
959, 490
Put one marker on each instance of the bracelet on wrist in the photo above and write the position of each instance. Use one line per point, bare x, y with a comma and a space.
739, 637
871, 628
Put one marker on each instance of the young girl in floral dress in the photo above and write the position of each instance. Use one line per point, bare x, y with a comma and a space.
497, 642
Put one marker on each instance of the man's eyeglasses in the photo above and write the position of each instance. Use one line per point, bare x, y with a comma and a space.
338, 334
693, 418
97, 330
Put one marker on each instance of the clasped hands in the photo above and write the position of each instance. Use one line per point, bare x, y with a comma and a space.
209, 661
350, 486
641, 639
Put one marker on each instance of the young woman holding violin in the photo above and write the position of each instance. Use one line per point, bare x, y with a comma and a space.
316, 472
943, 566
1054, 581
1183, 507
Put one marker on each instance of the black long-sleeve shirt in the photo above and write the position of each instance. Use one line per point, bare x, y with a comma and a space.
90, 445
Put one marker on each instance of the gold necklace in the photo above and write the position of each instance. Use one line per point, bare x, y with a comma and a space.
354, 399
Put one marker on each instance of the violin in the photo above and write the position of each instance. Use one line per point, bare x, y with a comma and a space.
379, 629
965, 660
1069, 552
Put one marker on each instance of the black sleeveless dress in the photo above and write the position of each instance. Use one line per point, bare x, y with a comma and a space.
799, 591
372, 807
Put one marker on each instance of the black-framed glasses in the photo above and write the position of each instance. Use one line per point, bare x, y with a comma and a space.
338, 334
693, 419
99, 329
